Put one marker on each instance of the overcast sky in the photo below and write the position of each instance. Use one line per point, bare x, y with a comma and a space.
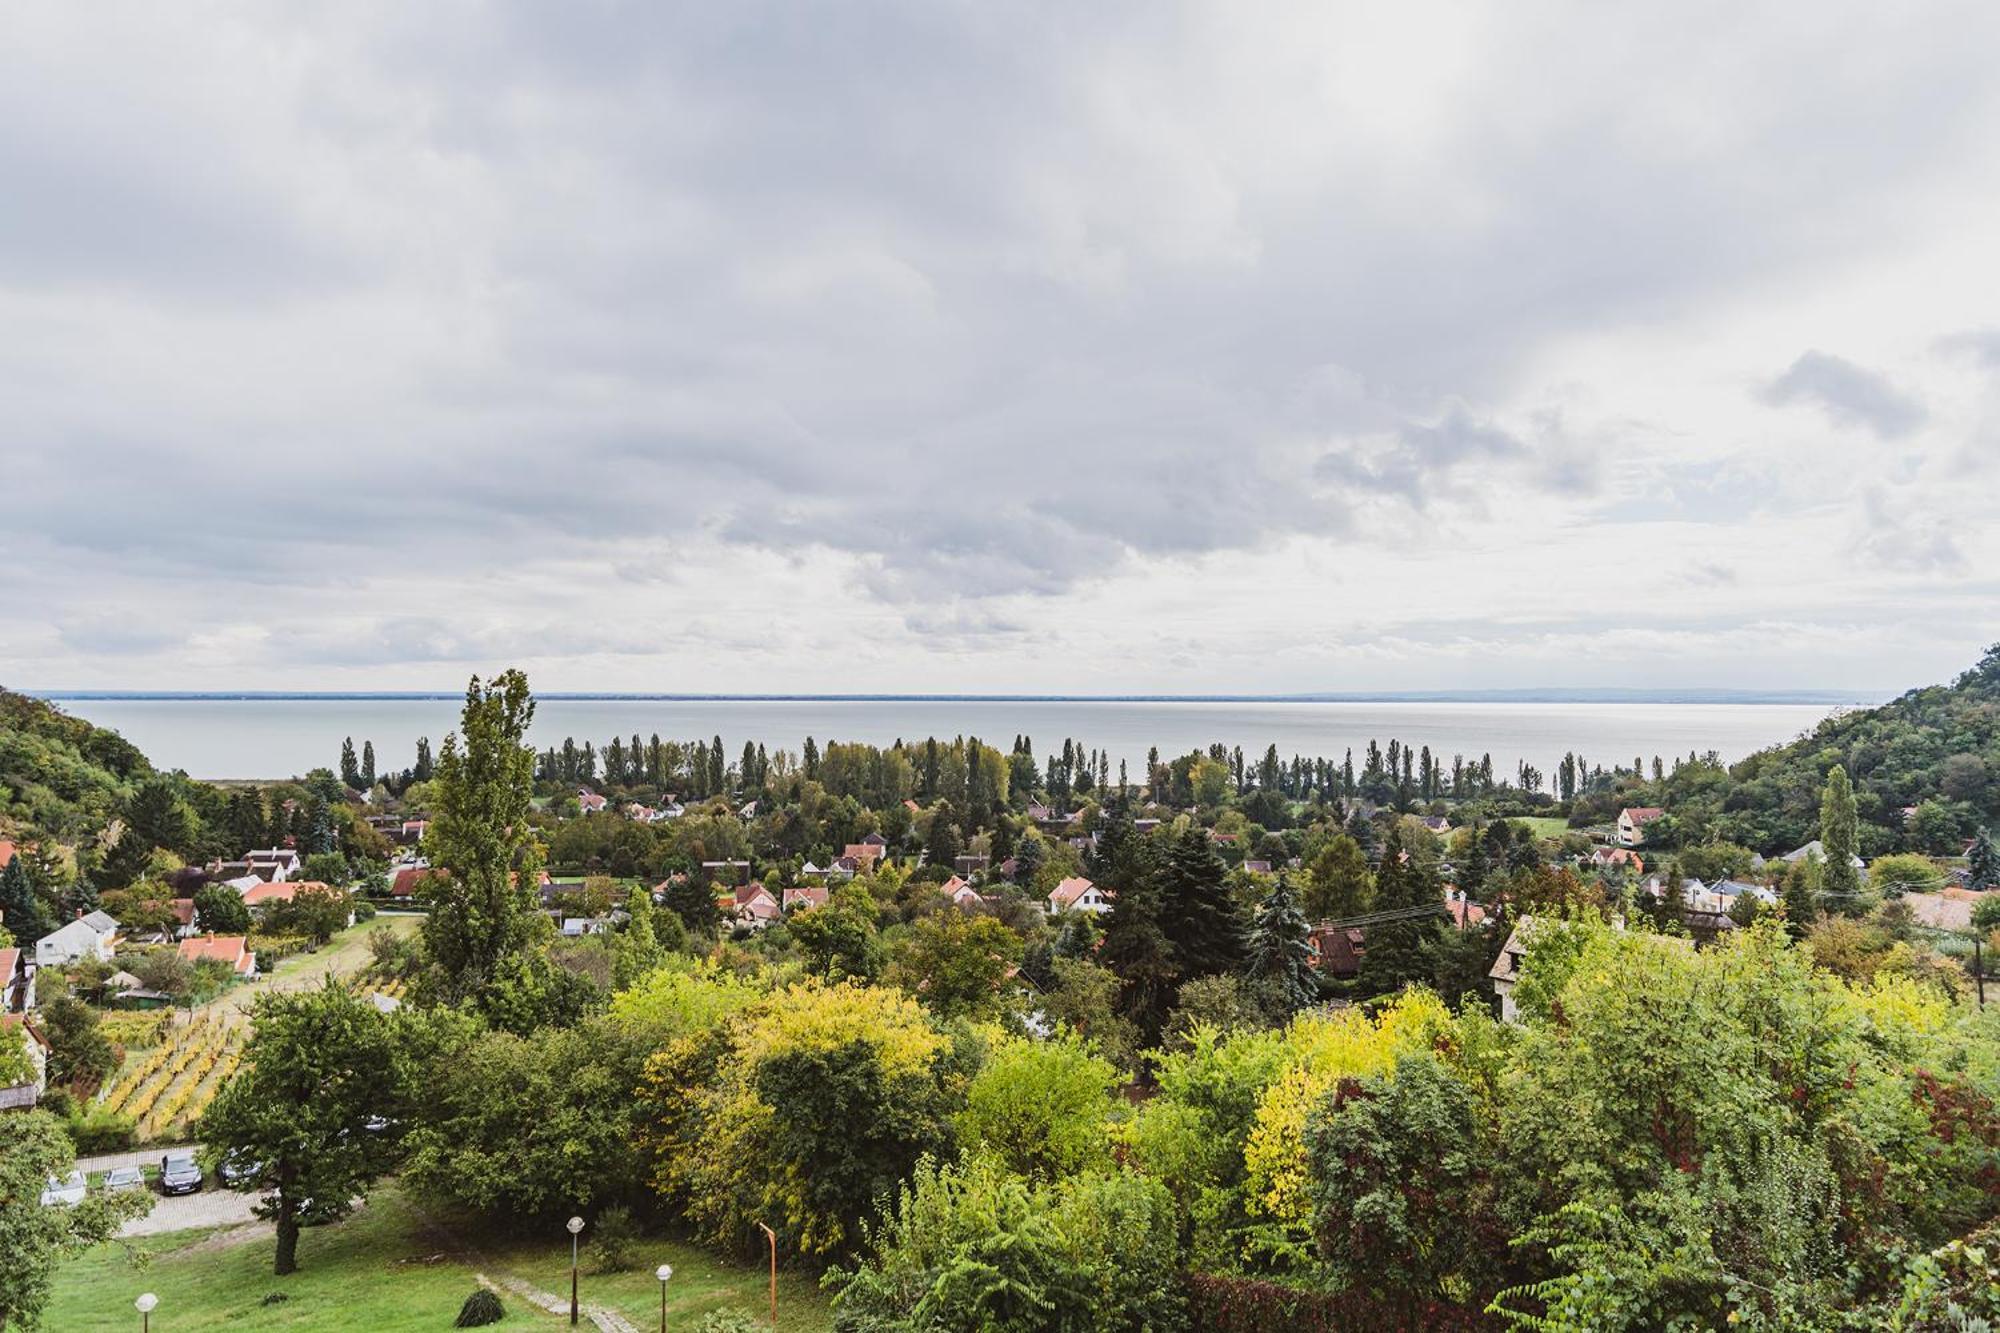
993, 347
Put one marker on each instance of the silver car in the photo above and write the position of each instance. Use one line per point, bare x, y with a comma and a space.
121, 1178
69, 1190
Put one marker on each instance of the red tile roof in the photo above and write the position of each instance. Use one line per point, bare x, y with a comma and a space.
231, 949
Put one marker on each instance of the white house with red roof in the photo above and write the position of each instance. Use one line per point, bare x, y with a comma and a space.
1632, 823
1077, 894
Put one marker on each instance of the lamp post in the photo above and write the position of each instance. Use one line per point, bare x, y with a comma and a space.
665, 1273
145, 1305
772, 1236
575, 1226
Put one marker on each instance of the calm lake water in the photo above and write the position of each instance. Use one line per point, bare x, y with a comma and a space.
271, 738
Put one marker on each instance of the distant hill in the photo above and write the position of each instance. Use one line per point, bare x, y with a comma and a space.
60, 774
1934, 750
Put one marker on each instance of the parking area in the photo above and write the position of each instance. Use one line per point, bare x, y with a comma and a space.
213, 1207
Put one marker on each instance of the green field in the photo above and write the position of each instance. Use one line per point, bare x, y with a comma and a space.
383, 1270
1543, 826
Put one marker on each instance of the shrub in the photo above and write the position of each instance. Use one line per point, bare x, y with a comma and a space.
482, 1307
613, 1241
98, 1130
729, 1321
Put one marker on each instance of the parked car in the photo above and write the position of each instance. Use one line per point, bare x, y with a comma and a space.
68, 1190
121, 1178
237, 1167
179, 1173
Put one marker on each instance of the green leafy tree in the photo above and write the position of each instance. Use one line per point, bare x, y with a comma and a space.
318, 912
1799, 892
840, 940
1136, 949
1042, 1107
80, 1055
159, 816
350, 771
695, 905
219, 910
320, 1064
482, 904
1341, 885
1395, 1174
956, 965
1839, 835
1280, 958
34, 1241
1395, 950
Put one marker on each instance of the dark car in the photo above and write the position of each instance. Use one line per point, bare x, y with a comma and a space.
179, 1173
237, 1167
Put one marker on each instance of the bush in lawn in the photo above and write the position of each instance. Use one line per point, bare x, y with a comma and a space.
482, 1307
730, 1321
613, 1242
99, 1130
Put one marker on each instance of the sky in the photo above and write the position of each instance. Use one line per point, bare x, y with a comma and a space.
1025, 347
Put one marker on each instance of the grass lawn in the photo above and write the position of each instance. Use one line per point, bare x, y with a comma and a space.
701, 1284
1543, 826
382, 1271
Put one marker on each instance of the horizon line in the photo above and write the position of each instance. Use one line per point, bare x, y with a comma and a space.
1525, 694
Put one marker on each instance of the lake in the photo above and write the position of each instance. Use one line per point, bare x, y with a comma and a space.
272, 738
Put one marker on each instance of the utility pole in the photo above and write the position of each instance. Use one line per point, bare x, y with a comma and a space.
1979, 971
772, 1237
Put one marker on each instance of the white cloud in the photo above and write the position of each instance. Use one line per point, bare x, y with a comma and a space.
1109, 347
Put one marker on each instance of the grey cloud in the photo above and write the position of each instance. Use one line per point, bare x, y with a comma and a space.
1896, 531
1420, 456
1848, 393
1980, 345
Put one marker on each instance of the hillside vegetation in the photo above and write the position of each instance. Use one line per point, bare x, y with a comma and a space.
1925, 768
59, 774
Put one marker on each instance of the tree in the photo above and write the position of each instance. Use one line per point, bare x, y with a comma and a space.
320, 1064
219, 910
1280, 958
1042, 1107
1395, 952
350, 771
36, 1241
1984, 859
1138, 951
367, 774
694, 905
955, 964
1394, 1166
1800, 895
316, 911
1839, 835
482, 903
159, 815
1341, 885
840, 940
80, 1055
20, 911
1200, 918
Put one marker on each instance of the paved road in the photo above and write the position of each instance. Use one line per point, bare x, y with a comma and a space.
90, 1166
213, 1207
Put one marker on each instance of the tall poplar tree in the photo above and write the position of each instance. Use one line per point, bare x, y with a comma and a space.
482, 905
1839, 833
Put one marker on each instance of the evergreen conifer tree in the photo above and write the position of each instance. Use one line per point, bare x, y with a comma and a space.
1280, 958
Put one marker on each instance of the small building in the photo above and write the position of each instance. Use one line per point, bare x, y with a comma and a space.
272, 863
753, 907
1816, 851
1077, 894
1506, 969
17, 983
1632, 823
231, 949
89, 936
24, 1096
805, 898
970, 865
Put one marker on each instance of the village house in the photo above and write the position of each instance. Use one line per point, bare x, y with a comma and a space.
88, 936
961, 893
590, 801
24, 1096
1077, 894
806, 898
1816, 851
729, 873
1632, 823
863, 854
1506, 969
17, 983
1335, 951
231, 949
970, 865
752, 906
272, 863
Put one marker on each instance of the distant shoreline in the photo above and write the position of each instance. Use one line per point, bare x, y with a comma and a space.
1551, 695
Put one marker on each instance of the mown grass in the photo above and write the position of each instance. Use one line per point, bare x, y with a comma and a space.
384, 1271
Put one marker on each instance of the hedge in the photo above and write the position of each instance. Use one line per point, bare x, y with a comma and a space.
1221, 1304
